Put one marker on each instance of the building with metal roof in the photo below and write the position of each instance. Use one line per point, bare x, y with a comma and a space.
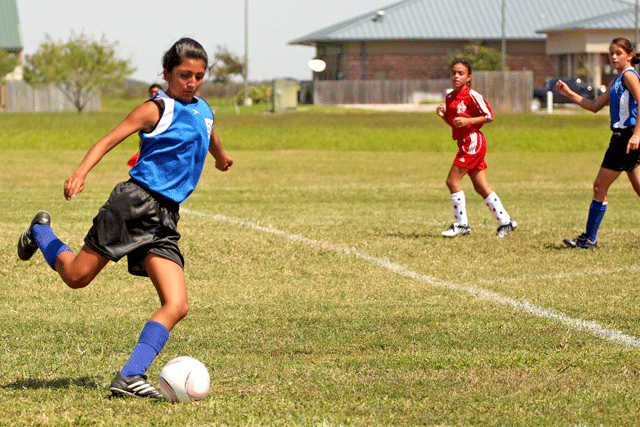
9, 26
10, 33
409, 39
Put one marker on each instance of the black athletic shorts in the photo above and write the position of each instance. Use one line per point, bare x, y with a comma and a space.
135, 222
616, 157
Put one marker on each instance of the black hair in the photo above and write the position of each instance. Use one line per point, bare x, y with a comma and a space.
155, 85
626, 45
464, 62
184, 48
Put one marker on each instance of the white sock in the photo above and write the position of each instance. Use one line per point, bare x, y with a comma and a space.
459, 205
495, 206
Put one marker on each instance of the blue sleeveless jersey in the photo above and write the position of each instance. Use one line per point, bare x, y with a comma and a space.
622, 107
172, 155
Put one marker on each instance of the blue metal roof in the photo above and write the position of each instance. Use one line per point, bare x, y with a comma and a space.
474, 20
622, 20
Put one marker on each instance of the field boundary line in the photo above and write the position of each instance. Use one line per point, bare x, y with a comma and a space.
564, 275
590, 327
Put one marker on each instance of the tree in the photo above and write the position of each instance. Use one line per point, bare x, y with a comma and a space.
227, 64
8, 63
482, 58
80, 67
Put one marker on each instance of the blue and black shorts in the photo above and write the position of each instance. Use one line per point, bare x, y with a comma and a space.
616, 158
136, 222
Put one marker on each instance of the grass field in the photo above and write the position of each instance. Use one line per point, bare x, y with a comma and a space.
321, 291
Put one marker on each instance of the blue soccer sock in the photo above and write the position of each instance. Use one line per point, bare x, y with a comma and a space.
49, 244
596, 213
152, 339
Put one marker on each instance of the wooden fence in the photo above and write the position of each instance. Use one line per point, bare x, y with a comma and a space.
18, 96
509, 91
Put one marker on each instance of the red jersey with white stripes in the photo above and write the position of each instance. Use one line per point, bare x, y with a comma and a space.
466, 103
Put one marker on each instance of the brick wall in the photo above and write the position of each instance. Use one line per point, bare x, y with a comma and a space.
424, 67
409, 60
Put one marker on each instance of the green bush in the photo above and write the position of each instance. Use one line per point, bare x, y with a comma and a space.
258, 94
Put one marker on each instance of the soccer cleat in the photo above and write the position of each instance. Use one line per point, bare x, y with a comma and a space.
504, 230
135, 385
456, 229
26, 243
581, 242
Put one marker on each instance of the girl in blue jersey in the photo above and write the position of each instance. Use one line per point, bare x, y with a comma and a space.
623, 153
140, 217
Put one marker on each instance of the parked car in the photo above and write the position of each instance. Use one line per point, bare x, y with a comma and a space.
579, 86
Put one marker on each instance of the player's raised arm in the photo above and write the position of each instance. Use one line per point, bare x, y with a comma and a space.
593, 105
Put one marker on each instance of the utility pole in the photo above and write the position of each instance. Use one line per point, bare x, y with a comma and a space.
246, 52
504, 37
635, 42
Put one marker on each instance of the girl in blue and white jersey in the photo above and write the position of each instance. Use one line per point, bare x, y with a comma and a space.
623, 153
140, 218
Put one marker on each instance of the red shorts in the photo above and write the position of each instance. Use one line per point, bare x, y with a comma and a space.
471, 151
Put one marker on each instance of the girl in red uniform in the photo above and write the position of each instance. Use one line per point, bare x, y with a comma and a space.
466, 111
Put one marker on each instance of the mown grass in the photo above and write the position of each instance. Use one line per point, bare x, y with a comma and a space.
307, 332
320, 128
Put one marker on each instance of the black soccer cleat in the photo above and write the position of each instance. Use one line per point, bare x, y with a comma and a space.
581, 242
136, 386
26, 243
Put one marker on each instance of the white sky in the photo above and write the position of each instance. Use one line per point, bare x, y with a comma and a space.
145, 29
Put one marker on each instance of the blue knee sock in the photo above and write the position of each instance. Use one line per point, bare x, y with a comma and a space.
49, 244
596, 213
152, 339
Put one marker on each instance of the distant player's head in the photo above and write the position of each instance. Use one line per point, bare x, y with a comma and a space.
153, 89
460, 74
621, 53
185, 65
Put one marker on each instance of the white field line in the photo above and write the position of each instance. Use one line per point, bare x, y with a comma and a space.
577, 324
565, 275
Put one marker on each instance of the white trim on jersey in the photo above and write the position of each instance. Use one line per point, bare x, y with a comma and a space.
167, 115
482, 104
623, 111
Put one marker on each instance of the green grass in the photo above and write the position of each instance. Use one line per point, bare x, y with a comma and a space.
320, 128
307, 332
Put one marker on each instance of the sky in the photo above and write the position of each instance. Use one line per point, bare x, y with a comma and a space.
145, 29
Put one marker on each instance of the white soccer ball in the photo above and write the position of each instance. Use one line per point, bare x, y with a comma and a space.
184, 379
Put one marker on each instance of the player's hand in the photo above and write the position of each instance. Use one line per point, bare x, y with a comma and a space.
440, 110
72, 186
634, 143
562, 87
224, 163
460, 122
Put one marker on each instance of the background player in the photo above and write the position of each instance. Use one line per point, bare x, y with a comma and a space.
153, 90
622, 154
466, 111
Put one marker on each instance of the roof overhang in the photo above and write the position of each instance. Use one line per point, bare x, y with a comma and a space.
583, 41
